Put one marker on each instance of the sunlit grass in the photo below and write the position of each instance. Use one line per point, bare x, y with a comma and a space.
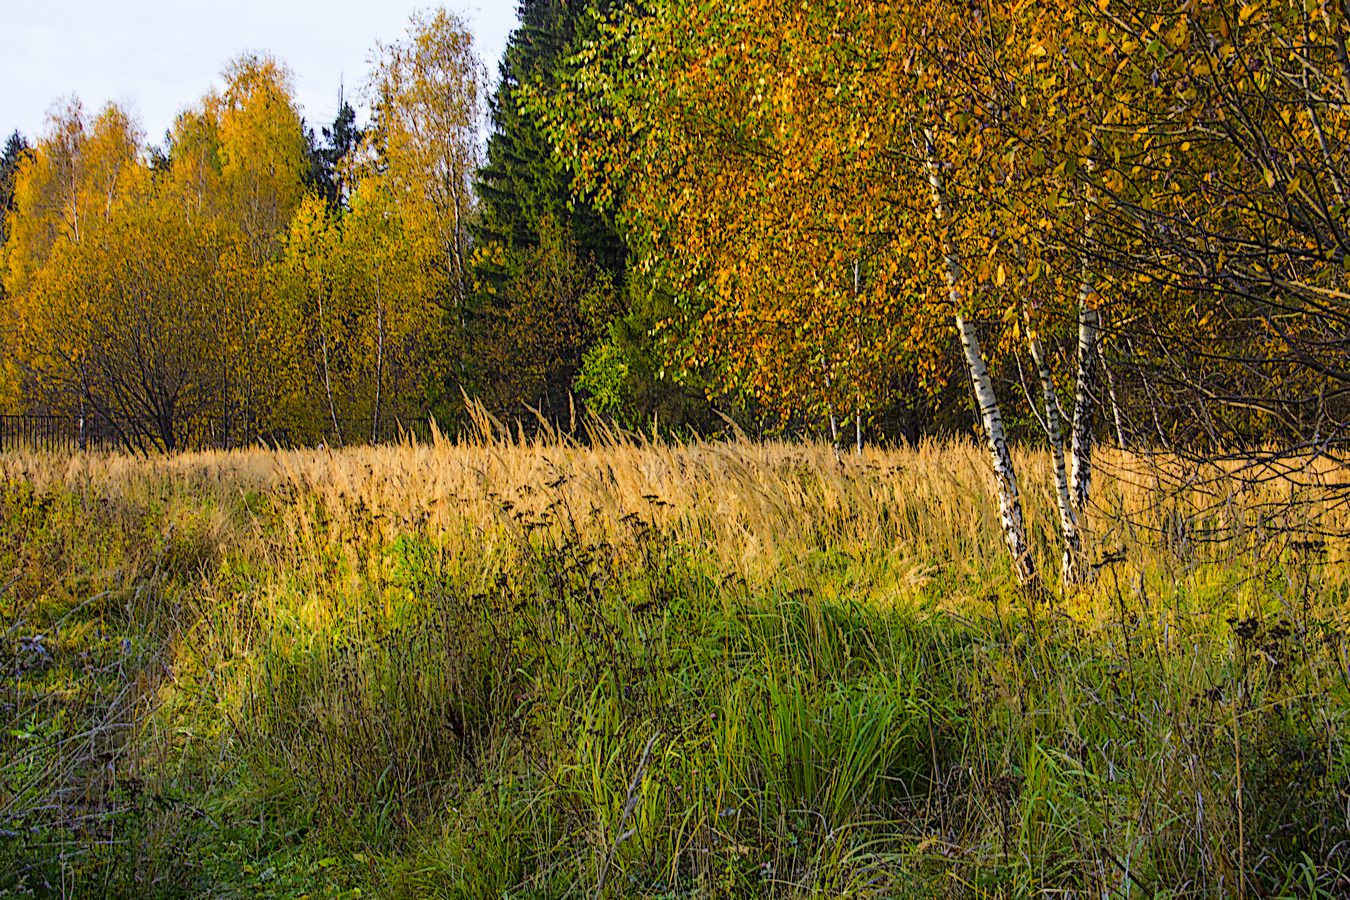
552, 669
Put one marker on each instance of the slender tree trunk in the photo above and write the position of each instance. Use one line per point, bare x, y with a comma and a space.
379, 362
834, 420
327, 378
857, 413
1005, 478
224, 402
1115, 404
250, 423
459, 275
1089, 321
1153, 411
986, 400
1071, 567
1089, 330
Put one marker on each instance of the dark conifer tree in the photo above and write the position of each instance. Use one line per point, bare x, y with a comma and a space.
16, 147
532, 229
325, 157
522, 183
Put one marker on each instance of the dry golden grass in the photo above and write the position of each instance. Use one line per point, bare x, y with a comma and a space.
484, 637
757, 506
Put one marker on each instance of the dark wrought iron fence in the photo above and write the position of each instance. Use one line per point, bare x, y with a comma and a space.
55, 433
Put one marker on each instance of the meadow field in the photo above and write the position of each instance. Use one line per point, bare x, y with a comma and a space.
512, 668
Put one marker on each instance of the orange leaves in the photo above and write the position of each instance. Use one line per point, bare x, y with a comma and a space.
767, 145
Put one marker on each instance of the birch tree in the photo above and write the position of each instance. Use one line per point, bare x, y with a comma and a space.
763, 145
78, 177
428, 96
365, 330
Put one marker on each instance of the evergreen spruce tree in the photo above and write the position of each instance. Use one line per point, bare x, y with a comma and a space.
15, 149
531, 221
522, 184
325, 175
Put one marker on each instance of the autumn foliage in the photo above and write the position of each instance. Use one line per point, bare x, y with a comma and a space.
1070, 218
209, 294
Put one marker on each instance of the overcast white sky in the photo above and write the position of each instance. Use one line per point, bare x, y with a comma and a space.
156, 57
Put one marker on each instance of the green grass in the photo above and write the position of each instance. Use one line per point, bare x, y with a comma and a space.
222, 684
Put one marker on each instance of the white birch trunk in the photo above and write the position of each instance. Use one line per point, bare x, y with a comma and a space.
834, 420
857, 414
986, 400
1089, 329
1071, 569
1089, 359
1115, 404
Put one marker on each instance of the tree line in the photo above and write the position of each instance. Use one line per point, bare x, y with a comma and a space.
248, 276
1064, 221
